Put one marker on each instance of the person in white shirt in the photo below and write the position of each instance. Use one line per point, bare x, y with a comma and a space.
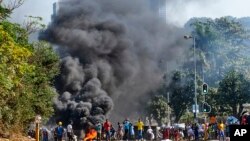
150, 133
70, 132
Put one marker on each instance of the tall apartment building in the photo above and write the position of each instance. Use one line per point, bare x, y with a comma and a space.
54, 11
56, 6
159, 7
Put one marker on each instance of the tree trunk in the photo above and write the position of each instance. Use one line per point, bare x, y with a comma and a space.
240, 109
177, 119
235, 111
178, 116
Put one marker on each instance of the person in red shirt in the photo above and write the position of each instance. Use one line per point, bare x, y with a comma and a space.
166, 133
107, 127
244, 120
176, 135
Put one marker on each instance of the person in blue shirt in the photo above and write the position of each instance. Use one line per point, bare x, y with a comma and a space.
45, 134
126, 129
99, 131
58, 132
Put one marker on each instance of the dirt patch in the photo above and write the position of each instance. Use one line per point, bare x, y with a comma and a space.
17, 138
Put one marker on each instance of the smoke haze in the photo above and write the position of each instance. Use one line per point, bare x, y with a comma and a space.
114, 56
178, 11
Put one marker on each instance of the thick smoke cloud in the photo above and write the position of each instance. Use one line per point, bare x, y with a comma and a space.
115, 53
81, 97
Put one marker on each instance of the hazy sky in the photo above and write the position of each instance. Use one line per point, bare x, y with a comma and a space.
42, 8
178, 11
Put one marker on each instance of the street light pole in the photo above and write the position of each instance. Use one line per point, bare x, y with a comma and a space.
195, 94
169, 121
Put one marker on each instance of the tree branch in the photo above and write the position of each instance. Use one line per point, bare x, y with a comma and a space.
33, 24
13, 4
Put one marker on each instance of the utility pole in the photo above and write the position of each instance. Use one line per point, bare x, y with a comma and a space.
195, 94
195, 87
169, 121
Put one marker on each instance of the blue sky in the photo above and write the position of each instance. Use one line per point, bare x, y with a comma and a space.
178, 11
42, 8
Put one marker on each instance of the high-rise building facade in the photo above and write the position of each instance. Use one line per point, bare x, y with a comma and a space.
54, 11
56, 6
159, 7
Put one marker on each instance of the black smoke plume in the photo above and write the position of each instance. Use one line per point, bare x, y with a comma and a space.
114, 54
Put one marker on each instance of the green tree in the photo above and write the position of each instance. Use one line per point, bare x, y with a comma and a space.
181, 90
233, 92
4, 12
13, 67
220, 47
26, 77
7, 8
212, 99
46, 63
158, 107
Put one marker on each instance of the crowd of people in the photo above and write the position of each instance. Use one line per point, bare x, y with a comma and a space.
211, 130
59, 133
124, 131
99, 131
128, 130
138, 131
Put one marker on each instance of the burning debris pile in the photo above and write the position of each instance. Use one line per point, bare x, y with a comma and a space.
111, 51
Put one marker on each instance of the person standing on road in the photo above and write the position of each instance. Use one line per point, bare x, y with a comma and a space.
150, 134
140, 127
166, 133
126, 124
119, 134
221, 128
99, 131
70, 132
196, 131
131, 131
107, 127
55, 134
112, 132
58, 132
45, 134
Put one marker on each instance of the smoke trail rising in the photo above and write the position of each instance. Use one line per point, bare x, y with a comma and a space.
112, 50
